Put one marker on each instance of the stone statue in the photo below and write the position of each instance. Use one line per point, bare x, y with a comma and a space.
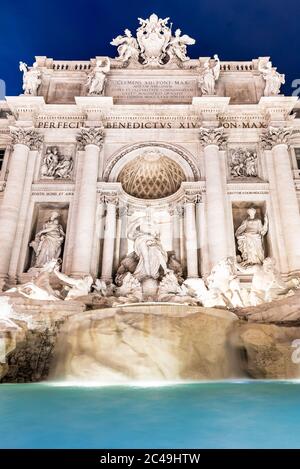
178, 46
39, 287
153, 37
154, 44
48, 241
79, 286
273, 79
31, 78
169, 290
243, 163
100, 287
174, 265
224, 286
148, 248
197, 288
208, 77
55, 165
127, 46
97, 78
268, 285
128, 264
130, 290
250, 238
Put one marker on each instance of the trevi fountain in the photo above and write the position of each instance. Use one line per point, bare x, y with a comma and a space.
149, 218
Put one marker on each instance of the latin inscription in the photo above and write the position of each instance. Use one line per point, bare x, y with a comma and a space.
157, 90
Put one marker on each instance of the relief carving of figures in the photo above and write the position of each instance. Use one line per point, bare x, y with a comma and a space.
31, 78
47, 243
55, 165
97, 78
154, 44
208, 76
148, 248
243, 163
250, 238
273, 79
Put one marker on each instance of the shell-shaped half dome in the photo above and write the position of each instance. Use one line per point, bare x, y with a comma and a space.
151, 176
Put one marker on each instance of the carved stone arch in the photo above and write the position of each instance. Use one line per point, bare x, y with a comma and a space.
182, 157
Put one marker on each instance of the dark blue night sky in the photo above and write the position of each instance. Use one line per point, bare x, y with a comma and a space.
66, 29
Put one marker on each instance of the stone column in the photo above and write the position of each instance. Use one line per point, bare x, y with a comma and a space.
123, 212
109, 238
24, 139
213, 140
190, 233
176, 230
204, 268
277, 139
91, 140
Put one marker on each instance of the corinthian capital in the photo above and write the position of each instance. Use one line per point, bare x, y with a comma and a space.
90, 136
215, 136
275, 136
27, 136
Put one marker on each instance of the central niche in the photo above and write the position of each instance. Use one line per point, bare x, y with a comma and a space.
151, 175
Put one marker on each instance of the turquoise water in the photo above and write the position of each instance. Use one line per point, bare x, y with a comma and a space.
200, 415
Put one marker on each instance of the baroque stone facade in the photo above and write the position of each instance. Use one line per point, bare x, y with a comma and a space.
144, 167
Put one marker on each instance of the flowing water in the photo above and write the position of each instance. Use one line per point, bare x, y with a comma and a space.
228, 414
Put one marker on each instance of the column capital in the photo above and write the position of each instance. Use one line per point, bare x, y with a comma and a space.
90, 136
191, 198
28, 136
176, 209
275, 136
111, 198
213, 136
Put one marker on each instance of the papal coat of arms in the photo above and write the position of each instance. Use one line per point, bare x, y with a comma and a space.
154, 43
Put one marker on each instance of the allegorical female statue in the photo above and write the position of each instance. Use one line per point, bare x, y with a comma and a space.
97, 79
148, 248
31, 78
48, 241
273, 79
209, 76
250, 235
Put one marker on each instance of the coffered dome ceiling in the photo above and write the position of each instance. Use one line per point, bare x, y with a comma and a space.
151, 176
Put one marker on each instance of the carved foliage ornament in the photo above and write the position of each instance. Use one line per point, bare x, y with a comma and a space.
90, 136
275, 136
27, 136
213, 137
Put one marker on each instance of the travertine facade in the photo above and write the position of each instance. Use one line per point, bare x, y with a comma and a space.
189, 145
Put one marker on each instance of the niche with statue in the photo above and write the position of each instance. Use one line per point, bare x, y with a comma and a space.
251, 232
47, 235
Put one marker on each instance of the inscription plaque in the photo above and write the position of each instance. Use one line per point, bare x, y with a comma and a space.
157, 90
